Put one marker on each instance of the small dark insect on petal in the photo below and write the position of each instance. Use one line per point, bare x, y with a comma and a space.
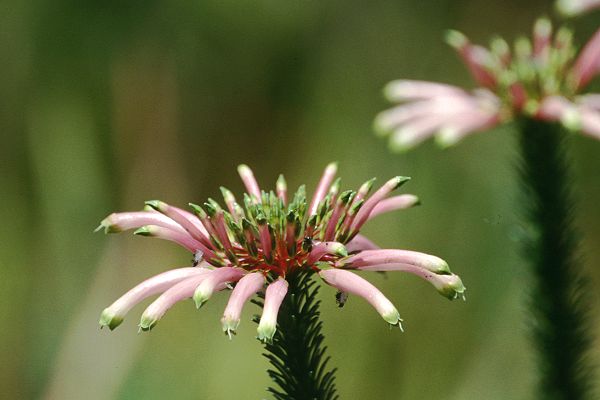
341, 298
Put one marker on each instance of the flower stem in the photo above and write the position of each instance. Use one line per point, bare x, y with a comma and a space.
297, 355
559, 321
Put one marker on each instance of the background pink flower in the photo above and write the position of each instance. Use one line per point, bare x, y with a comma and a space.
540, 78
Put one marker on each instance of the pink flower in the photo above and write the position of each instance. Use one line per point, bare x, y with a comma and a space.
540, 79
251, 249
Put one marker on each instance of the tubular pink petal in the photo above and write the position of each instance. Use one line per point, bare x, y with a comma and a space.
205, 221
158, 308
449, 285
486, 115
415, 122
587, 64
183, 239
265, 239
215, 281
465, 124
221, 229
322, 248
340, 207
542, 38
365, 210
390, 267
476, 58
360, 243
400, 202
334, 190
486, 99
194, 223
186, 219
322, 187
591, 100
281, 188
518, 95
554, 108
274, 296
393, 256
423, 110
413, 133
344, 232
559, 109
501, 50
570, 8
250, 182
590, 123
348, 282
391, 119
405, 89
244, 289
363, 191
290, 237
117, 222
351, 215
113, 315
230, 202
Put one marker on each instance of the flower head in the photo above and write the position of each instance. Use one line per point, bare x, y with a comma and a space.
539, 78
251, 249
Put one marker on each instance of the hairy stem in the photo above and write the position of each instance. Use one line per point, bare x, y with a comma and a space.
559, 320
297, 355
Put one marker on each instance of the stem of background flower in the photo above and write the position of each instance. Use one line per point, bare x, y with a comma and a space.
297, 355
559, 320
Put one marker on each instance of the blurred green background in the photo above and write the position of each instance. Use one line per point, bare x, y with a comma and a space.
105, 104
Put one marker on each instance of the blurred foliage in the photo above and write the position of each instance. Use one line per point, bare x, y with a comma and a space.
106, 104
